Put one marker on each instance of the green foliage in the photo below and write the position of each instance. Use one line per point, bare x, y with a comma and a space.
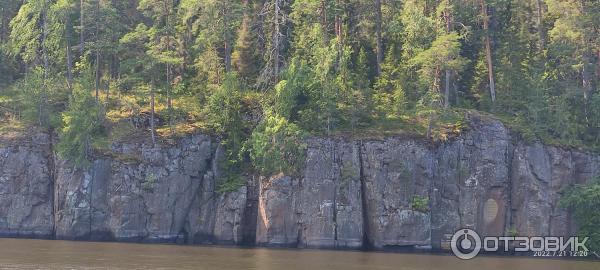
27, 94
36, 100
594, 127
224, 106
277, 146
585, 200
389, 96
122, 131
82, 130
544, 73
149, 182
26, 30
224, 112
419, 203
355, 101
418, 28
442, 55
512, 232
230, 184
7, 69
245, 58
291, 92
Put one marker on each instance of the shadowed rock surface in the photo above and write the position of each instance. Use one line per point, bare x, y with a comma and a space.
148, 194
351, 194
26, 179
486, 179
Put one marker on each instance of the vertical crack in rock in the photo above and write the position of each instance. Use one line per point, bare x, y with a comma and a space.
510, 154
52, 169
365, 207
43, 196
91, 203
250, 214
334, 209
181, 229
188, 208
335, 191
459, 181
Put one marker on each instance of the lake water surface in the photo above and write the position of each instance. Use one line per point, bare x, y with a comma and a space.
48, 254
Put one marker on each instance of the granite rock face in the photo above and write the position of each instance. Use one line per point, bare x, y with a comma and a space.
26, 187
149, 194
396, 172
472, 183
386, 193
486, 180
539, 174
320, 209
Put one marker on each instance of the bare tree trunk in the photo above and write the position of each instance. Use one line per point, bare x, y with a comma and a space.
448, 74
586, 75
324, 22
3, 28
338, 22
436, 88
227, 45
187, 41
339, 32
260, 26
448, 78
43, 96
114, 58
167, 10
97, 80
68, 54
227, 56
44, 38
152, 128
488, 50
81, 29
276, 41
378, 30
455, 96
540, 23
270, 73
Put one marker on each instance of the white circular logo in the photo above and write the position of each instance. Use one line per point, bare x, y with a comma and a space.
465, 244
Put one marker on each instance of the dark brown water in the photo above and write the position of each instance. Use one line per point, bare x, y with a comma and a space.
42, 254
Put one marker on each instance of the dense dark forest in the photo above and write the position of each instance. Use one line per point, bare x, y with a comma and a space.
263, 74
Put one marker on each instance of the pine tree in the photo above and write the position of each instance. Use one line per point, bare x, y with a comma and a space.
245, 57
82, 131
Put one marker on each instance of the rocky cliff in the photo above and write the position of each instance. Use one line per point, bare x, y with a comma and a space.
26, 187
359, 193
149, 194
352, 193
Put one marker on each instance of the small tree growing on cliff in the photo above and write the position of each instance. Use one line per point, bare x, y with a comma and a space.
224, 114
420, 204
82, 129
585, 201
276, 146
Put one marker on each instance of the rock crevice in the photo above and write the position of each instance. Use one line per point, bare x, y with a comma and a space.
486, 179
351, 194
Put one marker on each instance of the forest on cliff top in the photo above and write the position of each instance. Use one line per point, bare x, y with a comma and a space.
262, 74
